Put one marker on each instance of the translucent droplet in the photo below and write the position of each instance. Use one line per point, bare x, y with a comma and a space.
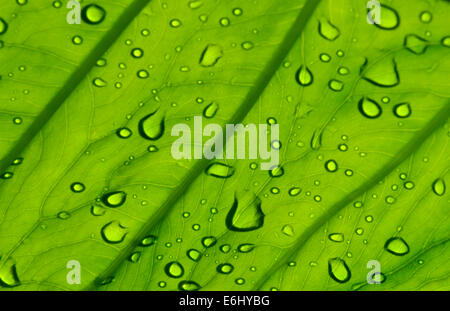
294, 191
174, 269
439, 187
396, 246
237, 11
328, 31
304, 76
63, 215
276, 172
211, 55
338, 270
8, 274
114, 199
369, 108
142, 74
137, 52
151, 126
99, 82
97, 210
288, 230
336, 85
324, 57
93, 14
383, 74
336, 237
17, 120
134, 257
426, 17
3, 26
247, 45
225, 268
209, 241
220, 170
415, 44
402, 110
195, 4
245, 214
224, 22
124, 132
77, 40
77, 187
246, 248
148, 240
225, 248
389, 18
113, 232
175, 23
210, 110
194, 254
331, 166
188, 286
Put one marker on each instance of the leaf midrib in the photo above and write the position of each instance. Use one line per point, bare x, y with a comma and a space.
73, 81
250, 100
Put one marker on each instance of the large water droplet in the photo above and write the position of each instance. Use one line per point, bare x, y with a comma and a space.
415, 44
336, 237
384, 73
245, 213
402, 110
331, 166
93, 14
304, 76
389, 18
220, 170
328, 31
211, 55
174, 269
113, 232
209, 241
152, 126
397, 246
338, 270
194, 254
439, 187
8, 274
316, 140
210, 110
114, 199
3, 26
369, 108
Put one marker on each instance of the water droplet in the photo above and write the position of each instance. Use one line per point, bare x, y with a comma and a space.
224, 22
174, 269
93, 14
328, 31
99, 82
415, 44
220, 170
134, 257
3, 26
8, 274
240, 281
195, 4
77, 187
137, 52
247, 45
225, 268
383, 74
188, 286
21, 2
175, 23
77, 40
276, 172
148, 240
113, 232
338, 270
336, 237
237, 11
446, 41
142, 74
288, 230
194, 254
245, 214
389, 18
17, 120
209, 241
246, 248
324, 57
211, 55
426, 17
124, 132
6, 175
402, 110
304, 76
397, 246
210, 110
369, 108
331, 166
336, 85
63, 215
439, 187
294, 191
152, 126
17, 161
114, 199
97, 210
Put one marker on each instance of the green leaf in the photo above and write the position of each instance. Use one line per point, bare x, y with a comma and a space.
363, 115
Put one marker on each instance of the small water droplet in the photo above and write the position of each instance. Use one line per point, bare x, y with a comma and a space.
188, 286
113, 232
338, 270
439, 187
225, 268
210, 110
77, 187
397, 246
336, 237
174, 269
211, 55
152, 126
328, 31
114, 199
93, 14
369, 108
220, 170
209, 241
402, 110
304, 76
